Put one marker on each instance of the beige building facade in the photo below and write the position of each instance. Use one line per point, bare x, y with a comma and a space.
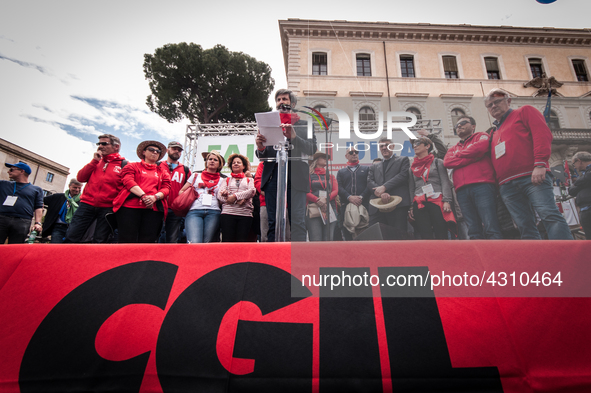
440, 72
45, 173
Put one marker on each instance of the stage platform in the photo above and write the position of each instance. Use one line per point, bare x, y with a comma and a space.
389, 316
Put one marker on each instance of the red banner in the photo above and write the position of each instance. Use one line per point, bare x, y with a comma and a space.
219, 317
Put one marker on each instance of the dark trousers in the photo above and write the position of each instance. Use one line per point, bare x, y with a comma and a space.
15, 229
296, 207
430, 222
235, 228
139, 225
59, 233
586, 223
397, 219
172, 228
82, 220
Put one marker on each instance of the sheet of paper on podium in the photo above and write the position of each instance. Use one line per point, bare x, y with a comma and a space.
269, 124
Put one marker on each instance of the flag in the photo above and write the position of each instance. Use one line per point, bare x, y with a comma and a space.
548, 107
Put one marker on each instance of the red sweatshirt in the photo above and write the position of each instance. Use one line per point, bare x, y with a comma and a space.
149, 180
470, 160
177, 180
103, 180
528, 142
257, 184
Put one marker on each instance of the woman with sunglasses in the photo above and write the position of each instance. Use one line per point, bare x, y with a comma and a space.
141, 205
203, 220
236, 193
431, 188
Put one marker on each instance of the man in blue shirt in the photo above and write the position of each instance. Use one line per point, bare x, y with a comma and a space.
20, 200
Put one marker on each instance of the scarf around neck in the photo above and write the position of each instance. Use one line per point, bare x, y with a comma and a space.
209, 179
420, 165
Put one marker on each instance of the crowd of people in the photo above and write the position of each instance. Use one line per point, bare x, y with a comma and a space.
486, 186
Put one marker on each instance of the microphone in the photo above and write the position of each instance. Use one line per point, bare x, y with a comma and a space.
284, 107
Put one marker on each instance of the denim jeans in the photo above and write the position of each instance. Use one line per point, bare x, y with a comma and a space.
521, 197
58, 235
16, 229
201, 225
172, 228
317, 230
479, 208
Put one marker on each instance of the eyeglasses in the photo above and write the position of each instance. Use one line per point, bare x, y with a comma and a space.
103, 143
417, 144
154, 150
14, 169
495, 103
353, 152
463, 122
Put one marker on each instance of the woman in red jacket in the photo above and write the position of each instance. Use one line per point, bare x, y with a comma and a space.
141, 204
324, 212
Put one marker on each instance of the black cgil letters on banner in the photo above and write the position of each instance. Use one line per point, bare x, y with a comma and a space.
61, 355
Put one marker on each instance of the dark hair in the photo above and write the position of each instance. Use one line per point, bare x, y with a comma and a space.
293, 100
472, 121
242, 158
425, 141
112, 138
74, 181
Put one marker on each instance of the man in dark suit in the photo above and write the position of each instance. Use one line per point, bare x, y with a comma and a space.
298, 180
386, 178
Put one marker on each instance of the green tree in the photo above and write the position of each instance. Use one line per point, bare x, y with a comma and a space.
206, 86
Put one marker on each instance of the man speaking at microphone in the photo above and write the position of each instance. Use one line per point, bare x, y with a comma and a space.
298, 179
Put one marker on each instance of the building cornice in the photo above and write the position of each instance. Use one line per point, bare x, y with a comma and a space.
431, 33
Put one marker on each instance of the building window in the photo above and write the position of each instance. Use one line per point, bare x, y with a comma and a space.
450, 67
416, 112
456, 114
492, 67
407, 66
46, 193
367, 114
536, 67
363, 64
49, 177
554, 123
580, 70
319, 63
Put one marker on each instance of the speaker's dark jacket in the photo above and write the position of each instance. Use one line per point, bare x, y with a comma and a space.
298, 169
54, 205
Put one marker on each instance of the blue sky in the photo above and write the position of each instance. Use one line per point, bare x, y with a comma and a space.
72, 70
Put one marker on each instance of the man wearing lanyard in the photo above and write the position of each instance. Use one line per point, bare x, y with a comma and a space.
20, 201
520, 150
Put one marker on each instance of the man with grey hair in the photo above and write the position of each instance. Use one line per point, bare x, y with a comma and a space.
103, 181
298, 181
582, 189
60, 211
520, 149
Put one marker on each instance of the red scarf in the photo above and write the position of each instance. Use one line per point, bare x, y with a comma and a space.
320, 171
353, 163
289, 118
113, 156
238, 175
149, 166
420, 165
209, 179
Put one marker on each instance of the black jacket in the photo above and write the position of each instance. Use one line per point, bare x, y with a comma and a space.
582, 190
353, 183
298, 170
395, 179
54, 204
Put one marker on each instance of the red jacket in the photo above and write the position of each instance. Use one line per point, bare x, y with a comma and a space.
103, 181
470, 160
257, 183
528, 142
177, 179
134, 174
